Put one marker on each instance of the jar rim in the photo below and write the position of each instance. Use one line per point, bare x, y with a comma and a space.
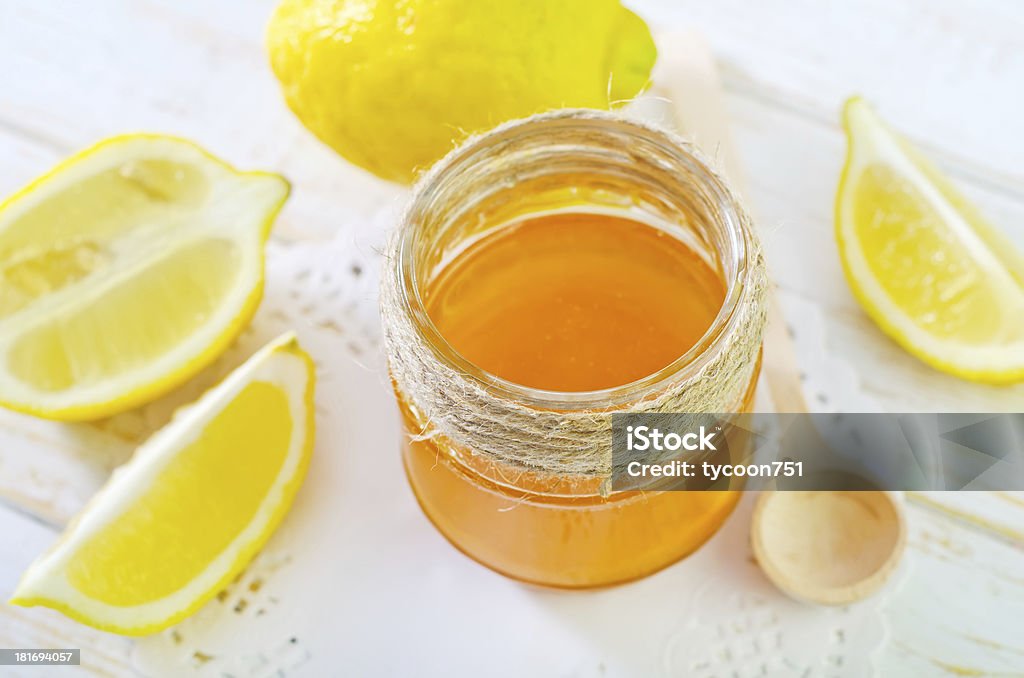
689, 364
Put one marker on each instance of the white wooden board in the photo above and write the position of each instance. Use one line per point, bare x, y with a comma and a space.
948, 74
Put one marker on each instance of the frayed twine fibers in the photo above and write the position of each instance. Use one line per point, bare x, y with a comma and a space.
461, 409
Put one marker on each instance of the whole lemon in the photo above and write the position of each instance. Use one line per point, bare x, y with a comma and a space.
392, 85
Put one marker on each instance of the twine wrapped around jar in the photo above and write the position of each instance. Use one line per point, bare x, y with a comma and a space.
568, 157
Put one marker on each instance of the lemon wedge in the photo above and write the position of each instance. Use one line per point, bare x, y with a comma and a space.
922, 261
180, 520
124, 270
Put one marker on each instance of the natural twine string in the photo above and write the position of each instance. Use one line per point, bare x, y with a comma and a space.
460, 409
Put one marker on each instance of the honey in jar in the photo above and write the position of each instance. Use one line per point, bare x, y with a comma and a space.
574, 301
568, 285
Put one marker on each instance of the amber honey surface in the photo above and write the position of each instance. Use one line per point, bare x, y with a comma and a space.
575, 302
567, 302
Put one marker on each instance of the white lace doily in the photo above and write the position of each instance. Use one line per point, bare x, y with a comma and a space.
357, 582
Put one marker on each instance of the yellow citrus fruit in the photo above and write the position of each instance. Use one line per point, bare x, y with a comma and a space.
392, 85
188, 512
922, 261
125, 270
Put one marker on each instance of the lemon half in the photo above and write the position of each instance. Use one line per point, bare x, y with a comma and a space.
125, 270
180, 520
922, 261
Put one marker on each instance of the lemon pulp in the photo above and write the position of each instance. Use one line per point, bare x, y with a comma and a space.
225, 473
123, 330
926, 270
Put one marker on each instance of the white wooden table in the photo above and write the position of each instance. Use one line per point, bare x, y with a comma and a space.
948, 74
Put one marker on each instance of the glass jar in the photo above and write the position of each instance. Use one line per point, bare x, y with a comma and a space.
531, 521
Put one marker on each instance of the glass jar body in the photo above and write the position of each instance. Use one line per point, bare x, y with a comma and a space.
532, 521
580, 540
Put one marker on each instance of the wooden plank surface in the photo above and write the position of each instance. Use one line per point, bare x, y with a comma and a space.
948, 74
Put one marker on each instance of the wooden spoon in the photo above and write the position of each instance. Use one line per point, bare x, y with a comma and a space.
824, 547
